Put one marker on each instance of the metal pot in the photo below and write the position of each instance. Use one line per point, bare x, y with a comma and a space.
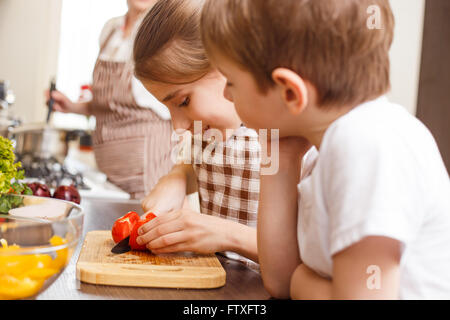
7, 99
42, 141
6, 125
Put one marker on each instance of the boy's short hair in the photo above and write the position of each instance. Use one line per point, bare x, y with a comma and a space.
168, 47
327, 42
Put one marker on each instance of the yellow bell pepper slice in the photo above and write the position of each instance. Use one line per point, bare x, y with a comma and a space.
23, 276
61, 255
40, 273
15, 288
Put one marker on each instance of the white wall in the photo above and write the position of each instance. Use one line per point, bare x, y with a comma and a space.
81, 24
29, 35
406, 52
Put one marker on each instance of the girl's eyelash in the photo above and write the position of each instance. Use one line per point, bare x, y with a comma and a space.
185, 103
229, 84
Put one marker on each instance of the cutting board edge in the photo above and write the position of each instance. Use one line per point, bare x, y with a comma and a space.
110, 275
147, 275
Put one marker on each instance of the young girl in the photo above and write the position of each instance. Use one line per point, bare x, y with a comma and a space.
171, 63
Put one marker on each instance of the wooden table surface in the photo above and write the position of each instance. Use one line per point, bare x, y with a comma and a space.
241, 283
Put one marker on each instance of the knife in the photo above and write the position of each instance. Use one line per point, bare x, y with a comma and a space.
51, 101
122, 246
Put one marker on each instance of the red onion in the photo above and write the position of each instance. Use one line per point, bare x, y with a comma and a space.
69, 193
39, 189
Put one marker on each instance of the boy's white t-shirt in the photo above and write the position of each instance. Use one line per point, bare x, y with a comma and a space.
379, 173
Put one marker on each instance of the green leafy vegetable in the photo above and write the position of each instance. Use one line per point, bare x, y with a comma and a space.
9, 177
9, 201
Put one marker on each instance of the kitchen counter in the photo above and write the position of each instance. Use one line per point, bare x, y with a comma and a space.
241, 283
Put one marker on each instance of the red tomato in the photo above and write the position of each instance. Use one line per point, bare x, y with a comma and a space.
150, 216
123, 226
134, 233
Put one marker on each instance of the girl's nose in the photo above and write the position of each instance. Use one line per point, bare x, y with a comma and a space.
180, 122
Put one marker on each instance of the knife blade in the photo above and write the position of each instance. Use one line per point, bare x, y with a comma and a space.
122, 246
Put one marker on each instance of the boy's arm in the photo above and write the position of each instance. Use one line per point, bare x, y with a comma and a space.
277, 220
368, 269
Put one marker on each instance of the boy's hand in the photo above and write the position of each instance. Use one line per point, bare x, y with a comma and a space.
308, 285
293, 147
289, 149
184, 230
168, 195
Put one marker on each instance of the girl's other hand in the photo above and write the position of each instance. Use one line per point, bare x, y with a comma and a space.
168, 195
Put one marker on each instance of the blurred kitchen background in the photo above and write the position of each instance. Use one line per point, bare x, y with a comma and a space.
41, 39
45, 39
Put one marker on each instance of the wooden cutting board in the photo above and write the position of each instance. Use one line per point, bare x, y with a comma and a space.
98, 265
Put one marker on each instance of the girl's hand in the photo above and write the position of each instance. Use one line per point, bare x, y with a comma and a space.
184, 230
63, 104
168, 195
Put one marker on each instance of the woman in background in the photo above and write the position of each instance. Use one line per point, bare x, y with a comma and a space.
132, 137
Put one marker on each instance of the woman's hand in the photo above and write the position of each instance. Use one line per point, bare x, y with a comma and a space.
168, 194
185, 230
63, 104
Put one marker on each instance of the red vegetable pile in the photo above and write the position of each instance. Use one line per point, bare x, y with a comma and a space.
69, 193
39, 189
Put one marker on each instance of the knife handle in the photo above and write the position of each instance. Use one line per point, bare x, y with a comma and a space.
51, 101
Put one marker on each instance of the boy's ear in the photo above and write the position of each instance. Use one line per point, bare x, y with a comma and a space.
292, 89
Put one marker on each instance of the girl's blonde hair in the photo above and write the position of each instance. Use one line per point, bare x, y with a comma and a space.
168, 46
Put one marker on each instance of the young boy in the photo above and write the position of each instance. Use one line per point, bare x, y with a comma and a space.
372, 213
171, 63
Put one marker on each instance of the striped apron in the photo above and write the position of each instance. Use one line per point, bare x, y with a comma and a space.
131, 144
